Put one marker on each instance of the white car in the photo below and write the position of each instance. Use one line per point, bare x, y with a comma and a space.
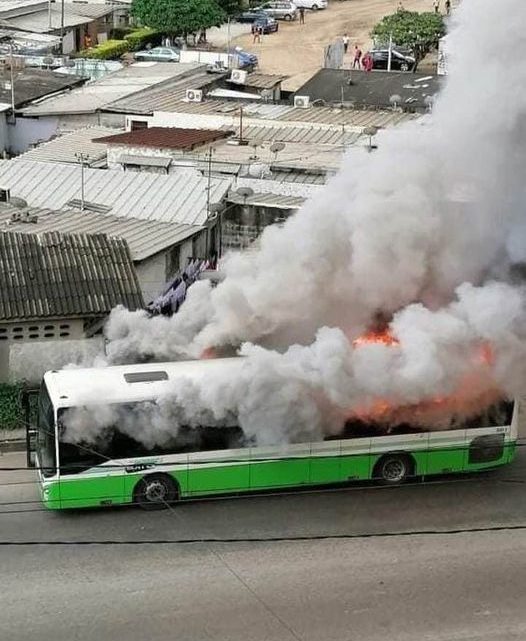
314, 5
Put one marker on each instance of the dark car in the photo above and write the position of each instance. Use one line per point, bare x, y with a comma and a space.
401, 60
266, 24
251, 15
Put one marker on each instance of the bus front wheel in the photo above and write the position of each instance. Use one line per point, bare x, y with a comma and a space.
393, 469
155, 492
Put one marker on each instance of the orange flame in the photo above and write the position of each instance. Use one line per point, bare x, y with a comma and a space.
208, 352
476, 390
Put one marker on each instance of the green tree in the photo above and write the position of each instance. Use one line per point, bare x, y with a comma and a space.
231, 7
178, 17
418, 31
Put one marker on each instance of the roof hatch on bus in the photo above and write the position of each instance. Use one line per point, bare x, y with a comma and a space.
145, 377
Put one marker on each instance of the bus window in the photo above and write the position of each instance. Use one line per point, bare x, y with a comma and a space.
46, 434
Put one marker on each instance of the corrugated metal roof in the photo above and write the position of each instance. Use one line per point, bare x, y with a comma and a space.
165, 96
64, 275
299, 177
263, 80
179, 197
64, 148
263, 199
166, 137
114, 86
38, 21
309, 135
286, 113
144, 237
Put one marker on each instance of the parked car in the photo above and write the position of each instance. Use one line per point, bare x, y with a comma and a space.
313, 5
280, 10
401, 60
251, 15
159, 54
266, 24
245, 58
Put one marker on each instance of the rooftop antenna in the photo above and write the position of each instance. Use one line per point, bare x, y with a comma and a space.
83, 160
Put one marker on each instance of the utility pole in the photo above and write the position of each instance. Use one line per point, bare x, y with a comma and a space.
228, 42
390, 56
62, 21
83, 159
12, 77
49, 21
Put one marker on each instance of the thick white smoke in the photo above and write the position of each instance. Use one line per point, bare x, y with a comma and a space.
425, 229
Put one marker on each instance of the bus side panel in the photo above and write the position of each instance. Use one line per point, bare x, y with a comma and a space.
325, 462
88, 491
50, 493
281, 466
355, 459
216, 472
446, 452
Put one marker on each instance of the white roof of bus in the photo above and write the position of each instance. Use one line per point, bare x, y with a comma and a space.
73, 387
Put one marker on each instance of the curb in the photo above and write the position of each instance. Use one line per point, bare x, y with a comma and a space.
13, 445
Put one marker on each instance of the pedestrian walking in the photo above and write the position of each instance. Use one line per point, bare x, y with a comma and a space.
448, 7
436, 5
345, 40
357, 57
367, 62
302, 15
257, 34
400, 6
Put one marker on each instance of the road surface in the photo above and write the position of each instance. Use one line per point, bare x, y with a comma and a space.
360, 585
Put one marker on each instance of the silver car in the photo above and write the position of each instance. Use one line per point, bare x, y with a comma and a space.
159, 54
280, 10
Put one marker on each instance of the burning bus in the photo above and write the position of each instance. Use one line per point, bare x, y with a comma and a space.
105, 458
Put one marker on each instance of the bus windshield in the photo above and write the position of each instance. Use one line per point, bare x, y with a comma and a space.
46, 434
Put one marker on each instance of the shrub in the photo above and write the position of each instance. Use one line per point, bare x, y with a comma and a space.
119, 33
10, 406
108, 50
139, 38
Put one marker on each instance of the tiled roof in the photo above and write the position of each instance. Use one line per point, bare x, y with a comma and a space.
165, 138
64, 276
145, 238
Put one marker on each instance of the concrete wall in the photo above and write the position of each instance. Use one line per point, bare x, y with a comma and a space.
152, 275
4, 134
41, 331
27, 132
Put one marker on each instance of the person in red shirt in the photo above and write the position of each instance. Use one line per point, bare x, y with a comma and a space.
357, 57
367, 62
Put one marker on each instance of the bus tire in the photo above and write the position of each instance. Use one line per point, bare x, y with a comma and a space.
155, 492
394, 469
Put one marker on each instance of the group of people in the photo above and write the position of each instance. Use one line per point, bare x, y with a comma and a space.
360, 61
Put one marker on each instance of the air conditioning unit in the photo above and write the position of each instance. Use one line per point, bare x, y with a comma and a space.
303, 102
194, 95
239, 76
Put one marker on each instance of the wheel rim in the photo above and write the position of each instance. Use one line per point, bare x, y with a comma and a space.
404, 68
156, 492
394, 471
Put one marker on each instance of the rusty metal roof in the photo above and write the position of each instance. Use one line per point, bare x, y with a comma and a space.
55, 275
165, 138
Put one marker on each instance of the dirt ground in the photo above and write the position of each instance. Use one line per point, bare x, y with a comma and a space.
297, 50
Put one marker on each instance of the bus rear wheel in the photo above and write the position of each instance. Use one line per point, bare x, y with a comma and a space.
393, 469
155, 492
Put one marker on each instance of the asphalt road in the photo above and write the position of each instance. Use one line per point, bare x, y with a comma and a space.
421, 582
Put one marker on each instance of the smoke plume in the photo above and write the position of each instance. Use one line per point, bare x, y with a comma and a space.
427, 230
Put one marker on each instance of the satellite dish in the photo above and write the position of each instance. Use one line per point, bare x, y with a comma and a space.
370, 131
48, 61
276, 147
395, 100
245, 192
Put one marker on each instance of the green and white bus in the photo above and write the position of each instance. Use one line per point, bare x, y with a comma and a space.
206, 461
